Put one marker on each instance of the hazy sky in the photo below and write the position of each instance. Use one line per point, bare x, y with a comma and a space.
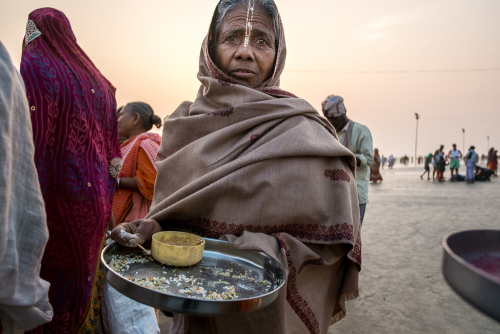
149, 50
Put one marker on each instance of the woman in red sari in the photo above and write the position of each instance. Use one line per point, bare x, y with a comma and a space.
375, 168
77, 155
135, 187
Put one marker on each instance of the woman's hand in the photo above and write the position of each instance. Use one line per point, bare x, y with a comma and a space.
136, 232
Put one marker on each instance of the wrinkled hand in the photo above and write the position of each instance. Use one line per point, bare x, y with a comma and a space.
136, 232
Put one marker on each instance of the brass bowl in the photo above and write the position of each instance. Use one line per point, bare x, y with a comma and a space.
177, 249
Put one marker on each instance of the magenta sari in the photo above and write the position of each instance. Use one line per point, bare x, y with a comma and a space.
73, 112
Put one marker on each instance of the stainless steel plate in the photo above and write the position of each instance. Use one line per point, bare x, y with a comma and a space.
219, 256
470, 266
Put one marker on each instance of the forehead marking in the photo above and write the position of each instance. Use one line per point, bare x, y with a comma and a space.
248, 26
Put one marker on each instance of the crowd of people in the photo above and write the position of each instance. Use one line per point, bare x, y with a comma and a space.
80, 170
439, 160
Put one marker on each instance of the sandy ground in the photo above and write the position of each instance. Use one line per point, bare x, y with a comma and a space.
402, 288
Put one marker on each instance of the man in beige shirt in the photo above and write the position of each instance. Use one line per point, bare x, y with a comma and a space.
358, 139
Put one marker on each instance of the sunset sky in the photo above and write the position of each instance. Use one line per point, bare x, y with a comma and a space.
149, 51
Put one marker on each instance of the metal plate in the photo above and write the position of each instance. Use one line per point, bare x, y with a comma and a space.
477, 284
218, 255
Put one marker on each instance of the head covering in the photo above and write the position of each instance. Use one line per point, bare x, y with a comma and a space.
258, 160
73, 112
333, 106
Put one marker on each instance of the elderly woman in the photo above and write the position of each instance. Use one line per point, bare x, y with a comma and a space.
77, 156
255, 165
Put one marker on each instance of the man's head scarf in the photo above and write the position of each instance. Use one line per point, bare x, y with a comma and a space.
333, 106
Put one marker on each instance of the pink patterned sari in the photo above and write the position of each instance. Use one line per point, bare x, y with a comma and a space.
73, 112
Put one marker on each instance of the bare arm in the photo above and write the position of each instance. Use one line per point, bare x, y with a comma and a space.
129, 183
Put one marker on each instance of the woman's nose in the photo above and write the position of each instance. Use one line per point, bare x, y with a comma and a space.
245, 51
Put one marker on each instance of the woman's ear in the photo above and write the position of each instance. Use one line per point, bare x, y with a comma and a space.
137, 119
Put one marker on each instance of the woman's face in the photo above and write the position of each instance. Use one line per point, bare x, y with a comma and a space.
252, 64
127, 123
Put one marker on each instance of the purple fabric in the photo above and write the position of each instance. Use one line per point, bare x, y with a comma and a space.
73, 113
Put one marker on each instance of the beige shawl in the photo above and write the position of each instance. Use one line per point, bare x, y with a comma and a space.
263, 161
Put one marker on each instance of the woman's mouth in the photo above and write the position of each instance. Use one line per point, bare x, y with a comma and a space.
242, 73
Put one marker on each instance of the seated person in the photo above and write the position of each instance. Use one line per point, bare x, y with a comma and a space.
483, 174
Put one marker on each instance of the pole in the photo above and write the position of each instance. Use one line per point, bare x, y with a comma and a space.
463, 141
416, 139
488, 148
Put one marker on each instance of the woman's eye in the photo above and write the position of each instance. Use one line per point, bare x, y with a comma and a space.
231, 39
261, 41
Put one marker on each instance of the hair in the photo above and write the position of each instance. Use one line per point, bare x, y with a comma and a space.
225, 6
148, 117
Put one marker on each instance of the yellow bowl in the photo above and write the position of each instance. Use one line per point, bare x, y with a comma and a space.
177, 249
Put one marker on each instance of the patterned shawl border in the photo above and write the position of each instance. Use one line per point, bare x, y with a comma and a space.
293, 297
303, 232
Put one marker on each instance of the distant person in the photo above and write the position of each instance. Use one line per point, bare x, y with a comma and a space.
441, 167
392, 160
441, 151
77, 155
470, 161
383, 160
440, 163
483, 174
434, 160
375, 175
428, 159
490, 157
494, 162
358, 139
24, 296
454, 155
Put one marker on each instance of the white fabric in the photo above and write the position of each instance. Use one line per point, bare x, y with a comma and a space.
471, 165
473, 159
454, 154
24, 302
122, 315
